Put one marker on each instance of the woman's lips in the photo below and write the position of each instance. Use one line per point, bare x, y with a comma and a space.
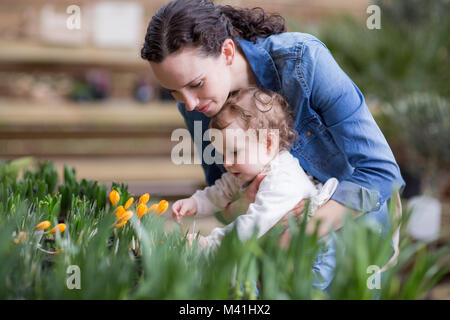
236, 174
204, 108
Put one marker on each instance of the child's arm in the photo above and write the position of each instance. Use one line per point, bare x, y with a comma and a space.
209, 200
184, 208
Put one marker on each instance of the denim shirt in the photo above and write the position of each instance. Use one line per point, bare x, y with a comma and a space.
338, 136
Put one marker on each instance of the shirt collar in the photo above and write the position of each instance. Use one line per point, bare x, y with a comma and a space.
262, 65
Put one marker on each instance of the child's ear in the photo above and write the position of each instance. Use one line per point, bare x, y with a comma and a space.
273, 142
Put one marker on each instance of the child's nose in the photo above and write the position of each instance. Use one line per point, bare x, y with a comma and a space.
228, 164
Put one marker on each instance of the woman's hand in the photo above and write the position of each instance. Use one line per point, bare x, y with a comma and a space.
184, 208
241, 205
330, 217
285, 238
252, 189
295, 212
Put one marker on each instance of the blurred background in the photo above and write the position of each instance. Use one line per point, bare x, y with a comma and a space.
74, 91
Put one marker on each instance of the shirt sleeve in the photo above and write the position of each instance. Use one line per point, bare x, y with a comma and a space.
216, 197
342, 108
275, 198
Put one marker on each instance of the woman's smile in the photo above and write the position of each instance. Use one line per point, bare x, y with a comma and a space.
205, 108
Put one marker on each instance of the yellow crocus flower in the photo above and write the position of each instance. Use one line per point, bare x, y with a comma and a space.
120, 211
129, 203
61, 227
114, 197
43, 225
124, 219
21, 237
162, 207
141, 210
144, 198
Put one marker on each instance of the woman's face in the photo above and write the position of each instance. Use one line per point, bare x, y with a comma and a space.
201, 83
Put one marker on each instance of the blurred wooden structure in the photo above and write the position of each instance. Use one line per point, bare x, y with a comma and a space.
115, 141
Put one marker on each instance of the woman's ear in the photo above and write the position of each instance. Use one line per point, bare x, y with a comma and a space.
229, 50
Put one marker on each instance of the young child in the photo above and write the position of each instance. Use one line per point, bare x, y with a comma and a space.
254, 134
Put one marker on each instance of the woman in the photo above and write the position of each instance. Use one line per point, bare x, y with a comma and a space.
201, 53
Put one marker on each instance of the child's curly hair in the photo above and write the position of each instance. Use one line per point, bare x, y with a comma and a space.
266, 110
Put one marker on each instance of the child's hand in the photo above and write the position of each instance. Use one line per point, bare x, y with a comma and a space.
184, 208
202, 242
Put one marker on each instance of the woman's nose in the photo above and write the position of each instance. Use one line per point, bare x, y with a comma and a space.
190, 101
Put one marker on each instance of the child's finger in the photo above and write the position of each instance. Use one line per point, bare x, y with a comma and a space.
176, 211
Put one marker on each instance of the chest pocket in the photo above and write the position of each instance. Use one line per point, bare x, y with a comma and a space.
316, 146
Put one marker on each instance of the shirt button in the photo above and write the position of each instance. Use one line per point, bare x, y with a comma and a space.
308, 133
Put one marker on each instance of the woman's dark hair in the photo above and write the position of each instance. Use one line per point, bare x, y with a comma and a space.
202, 24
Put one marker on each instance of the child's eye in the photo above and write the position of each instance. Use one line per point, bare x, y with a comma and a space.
197, 85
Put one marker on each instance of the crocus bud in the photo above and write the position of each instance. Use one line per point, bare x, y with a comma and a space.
162, 207
43, 225
129, 203
144, 198
61, 227
114, 197
21, 237
141, 210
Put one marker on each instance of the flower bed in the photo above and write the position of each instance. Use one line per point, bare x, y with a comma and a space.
122, 250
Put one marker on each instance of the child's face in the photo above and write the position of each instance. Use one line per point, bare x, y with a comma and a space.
245, 156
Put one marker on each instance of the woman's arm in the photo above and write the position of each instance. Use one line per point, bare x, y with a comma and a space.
343, 110
329, 217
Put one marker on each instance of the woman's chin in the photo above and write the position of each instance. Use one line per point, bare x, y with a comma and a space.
213, 110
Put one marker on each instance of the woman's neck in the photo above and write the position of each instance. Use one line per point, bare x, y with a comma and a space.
242, 72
